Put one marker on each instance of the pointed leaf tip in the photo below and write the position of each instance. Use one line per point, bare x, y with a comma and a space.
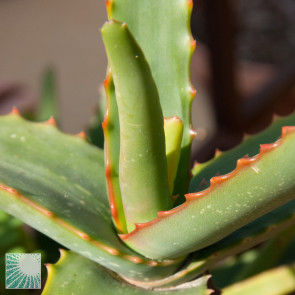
276, 117
107, 81
14, 111
267, 147
287, 130
50, 121
246, 136
196, 163
193, 91
193, 44
218, 152
172, 119
82, 135
109, 3
192, 132
109, 6
190, 4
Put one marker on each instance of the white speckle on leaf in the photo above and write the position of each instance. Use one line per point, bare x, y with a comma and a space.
255, 169
250, 194
22, 139
82, 189
13, 135
114, 264
86, 253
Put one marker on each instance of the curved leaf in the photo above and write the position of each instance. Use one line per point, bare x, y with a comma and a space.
48, 103
268, 256
162, 30
173, 128
225, 162
142, 164
111, 129
76, 275
276, 281
253, 234
257, 186
55, 183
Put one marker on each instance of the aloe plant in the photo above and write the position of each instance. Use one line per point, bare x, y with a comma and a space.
131, 215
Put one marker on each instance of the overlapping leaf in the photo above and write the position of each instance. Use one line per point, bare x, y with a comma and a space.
225, 162
257, 186
55, 183
73, 274
161, 28
143, 167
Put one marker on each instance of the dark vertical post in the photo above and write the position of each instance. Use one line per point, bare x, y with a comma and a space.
220, 23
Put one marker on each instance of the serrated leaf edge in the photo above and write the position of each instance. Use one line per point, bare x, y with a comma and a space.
49, 214
218, 152
214, 183
115, 199
81, 234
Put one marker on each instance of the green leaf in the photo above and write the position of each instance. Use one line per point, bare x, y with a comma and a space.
55, 183
225, 162
76, 275
48, 104
161, 28
269, 255
277, 281
111, 128
257, 186
173, 128
142, 164
249, 236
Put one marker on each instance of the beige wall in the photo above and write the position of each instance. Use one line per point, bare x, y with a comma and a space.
62, 33
65, 34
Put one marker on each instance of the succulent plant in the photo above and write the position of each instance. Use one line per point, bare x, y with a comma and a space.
133, 216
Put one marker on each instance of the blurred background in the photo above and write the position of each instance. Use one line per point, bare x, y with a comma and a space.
243, 66
63, 35
243, 69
